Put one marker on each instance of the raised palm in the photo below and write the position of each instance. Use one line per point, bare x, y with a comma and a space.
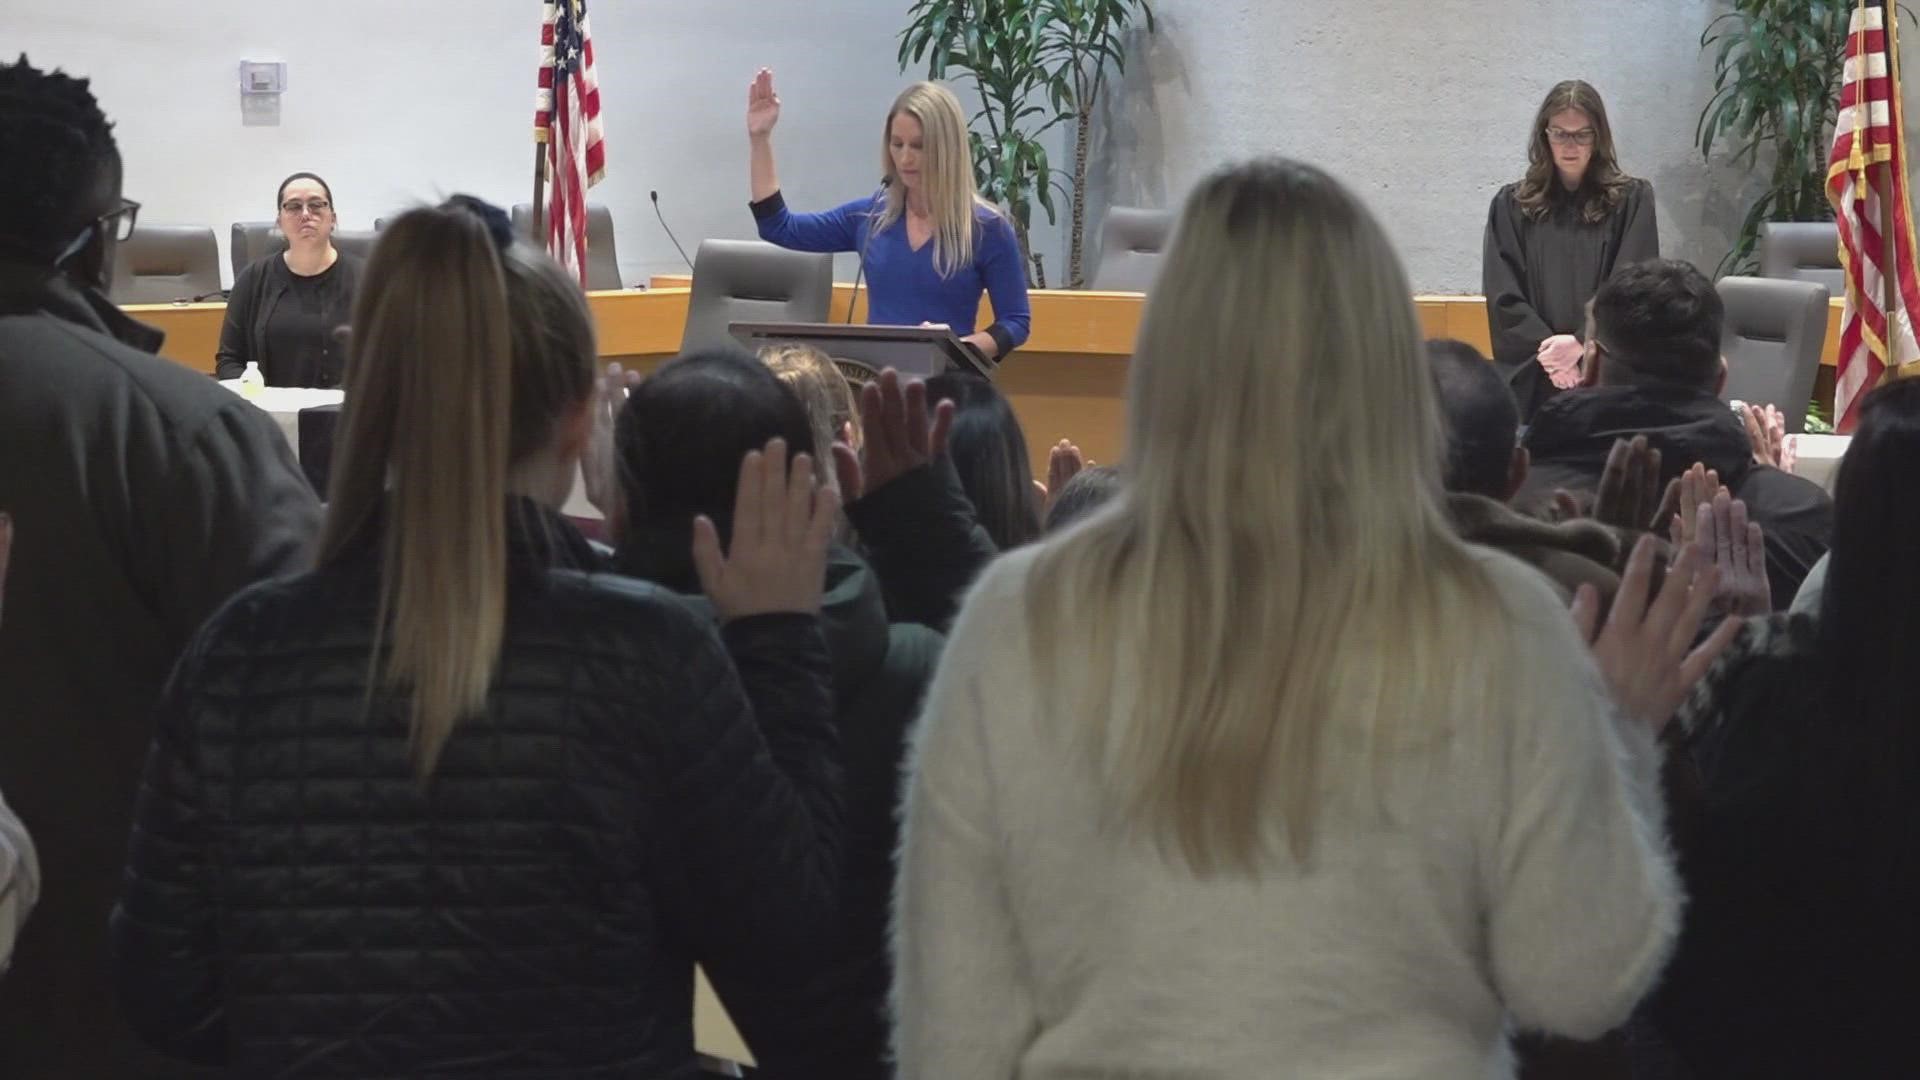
763, 105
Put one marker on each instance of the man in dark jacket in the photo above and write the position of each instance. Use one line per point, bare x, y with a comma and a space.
1485, 466
142, 495
1653, 367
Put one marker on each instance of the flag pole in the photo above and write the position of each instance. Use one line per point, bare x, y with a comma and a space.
1897, 183
539, 190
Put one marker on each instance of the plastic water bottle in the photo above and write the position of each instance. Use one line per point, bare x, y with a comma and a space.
252, 383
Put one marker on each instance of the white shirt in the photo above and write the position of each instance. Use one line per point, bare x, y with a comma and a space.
1510, 871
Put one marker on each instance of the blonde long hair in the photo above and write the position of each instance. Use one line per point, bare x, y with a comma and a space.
826, 393
1279, 567
947, 168
466, 349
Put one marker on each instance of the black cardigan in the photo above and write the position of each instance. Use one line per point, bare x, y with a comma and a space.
260, 289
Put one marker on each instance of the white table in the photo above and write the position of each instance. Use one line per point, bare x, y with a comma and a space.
284, 403
1818, 457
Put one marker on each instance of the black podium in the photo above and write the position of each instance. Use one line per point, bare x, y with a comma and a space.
863, 351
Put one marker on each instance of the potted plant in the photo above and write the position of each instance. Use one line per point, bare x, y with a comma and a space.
1777, 67
1082, 40
999, 44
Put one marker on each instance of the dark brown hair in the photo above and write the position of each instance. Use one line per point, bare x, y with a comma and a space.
281, 197
1603, 187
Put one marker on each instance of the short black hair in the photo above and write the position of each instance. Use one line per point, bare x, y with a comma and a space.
1481, 417
678, 444
1659, 322
56, 152
1089, 490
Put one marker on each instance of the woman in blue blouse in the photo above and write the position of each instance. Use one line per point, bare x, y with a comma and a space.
929, 243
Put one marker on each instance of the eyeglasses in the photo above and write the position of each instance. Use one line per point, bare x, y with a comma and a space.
316, 207
1562, 137
119, 221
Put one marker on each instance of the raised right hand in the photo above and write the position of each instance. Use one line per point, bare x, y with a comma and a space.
776, 559
1737, 548
1629, 493
901, 433
1685, 494
1645, 649
1064, 462
763, 105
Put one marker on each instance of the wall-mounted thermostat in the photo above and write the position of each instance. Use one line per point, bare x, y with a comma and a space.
263, 77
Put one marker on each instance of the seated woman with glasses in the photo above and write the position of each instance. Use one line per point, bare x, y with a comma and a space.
286, 310
1553, 237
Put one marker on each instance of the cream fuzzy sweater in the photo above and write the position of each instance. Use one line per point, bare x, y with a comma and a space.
1511, 871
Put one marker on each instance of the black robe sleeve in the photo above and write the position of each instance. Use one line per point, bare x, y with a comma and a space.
1513, 325
1639, 232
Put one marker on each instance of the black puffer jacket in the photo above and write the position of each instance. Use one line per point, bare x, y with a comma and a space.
832, 1023
298, 905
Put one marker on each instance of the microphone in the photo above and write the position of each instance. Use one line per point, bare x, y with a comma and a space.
655, 196
217, 294
885, 183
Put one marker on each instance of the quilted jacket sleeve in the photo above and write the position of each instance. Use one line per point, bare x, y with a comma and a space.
755, 804
163, 935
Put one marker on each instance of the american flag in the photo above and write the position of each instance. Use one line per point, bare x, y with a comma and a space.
1867, 184
567, 120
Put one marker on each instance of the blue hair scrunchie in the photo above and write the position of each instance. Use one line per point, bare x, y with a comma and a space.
499, 224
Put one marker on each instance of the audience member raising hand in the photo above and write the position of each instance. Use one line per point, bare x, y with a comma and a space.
1345, 785
900, 433
776, 556
566, 767
1767, 429
1645, 647
1737, 549
1064, 462
907, 503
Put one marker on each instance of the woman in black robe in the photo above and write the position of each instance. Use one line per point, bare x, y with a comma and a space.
1553, 237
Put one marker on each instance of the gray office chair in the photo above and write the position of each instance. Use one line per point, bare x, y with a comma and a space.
159, 264
603, 263
1802, 251
1130, 245
750, 281
355, 241
1771, 338
255, 240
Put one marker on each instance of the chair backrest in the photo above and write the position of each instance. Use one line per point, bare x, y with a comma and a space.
355, 241
1130, 244
750, 281
603, 262
1802, 251
159, 264
253, 241
1772, 337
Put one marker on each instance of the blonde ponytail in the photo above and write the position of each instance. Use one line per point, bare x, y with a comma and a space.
424, 442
